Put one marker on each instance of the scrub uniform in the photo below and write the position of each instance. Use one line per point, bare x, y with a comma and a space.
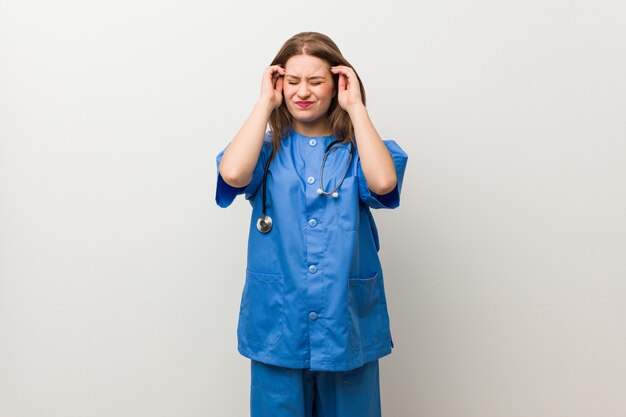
314, 297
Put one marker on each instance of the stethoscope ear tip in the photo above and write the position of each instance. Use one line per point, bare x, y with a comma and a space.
334, 194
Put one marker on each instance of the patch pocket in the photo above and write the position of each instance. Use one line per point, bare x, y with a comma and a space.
262, 308
365, 304
347, 204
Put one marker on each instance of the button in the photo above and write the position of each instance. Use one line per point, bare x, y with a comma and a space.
310, 180
312, 142
313, 315
312, 269
312, 222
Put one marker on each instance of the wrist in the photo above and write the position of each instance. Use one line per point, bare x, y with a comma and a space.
264, 106
356, 109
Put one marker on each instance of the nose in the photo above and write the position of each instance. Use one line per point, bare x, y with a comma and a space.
303, 90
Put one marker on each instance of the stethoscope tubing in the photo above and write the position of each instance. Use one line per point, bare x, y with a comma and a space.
264, 223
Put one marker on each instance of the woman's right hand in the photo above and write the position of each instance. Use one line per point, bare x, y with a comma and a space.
272, 86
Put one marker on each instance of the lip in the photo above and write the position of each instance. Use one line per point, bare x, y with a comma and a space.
303, 104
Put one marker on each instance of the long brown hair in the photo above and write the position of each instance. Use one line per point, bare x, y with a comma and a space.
320, 46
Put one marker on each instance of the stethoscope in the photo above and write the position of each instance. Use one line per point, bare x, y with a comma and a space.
264, 223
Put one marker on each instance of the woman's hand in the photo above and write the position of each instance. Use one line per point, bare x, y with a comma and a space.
348, 90
272, 86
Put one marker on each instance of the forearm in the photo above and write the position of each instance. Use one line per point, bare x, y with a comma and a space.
376, 161
242, 154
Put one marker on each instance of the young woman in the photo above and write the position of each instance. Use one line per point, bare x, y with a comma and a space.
313, 315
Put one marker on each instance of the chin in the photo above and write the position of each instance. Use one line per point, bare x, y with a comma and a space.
305, 119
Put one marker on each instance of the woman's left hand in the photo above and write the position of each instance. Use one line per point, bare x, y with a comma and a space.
348, 90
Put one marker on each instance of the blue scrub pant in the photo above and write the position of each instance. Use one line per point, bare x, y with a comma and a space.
288, 392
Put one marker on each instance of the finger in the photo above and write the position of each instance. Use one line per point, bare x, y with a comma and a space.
276, 76
342, 69
279, 85
342, 82
351, 79
277, 69
268, 77
272, 70
336, 70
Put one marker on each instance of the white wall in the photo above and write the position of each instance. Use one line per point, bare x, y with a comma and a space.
505, 270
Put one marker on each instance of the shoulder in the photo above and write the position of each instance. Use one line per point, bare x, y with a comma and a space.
267, 140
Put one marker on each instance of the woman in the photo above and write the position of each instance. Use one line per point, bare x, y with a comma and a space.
313, 314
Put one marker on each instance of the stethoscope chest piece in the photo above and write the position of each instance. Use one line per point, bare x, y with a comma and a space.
264, 223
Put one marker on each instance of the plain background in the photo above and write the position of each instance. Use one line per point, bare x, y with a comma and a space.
505, 263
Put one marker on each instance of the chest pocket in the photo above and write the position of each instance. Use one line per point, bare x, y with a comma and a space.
344, 209
346, 205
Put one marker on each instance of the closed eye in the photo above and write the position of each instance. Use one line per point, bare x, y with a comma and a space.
296, 83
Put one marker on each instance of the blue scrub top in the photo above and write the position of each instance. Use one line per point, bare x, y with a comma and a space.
314, 295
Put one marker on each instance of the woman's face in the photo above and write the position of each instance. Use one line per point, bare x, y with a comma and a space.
308, 89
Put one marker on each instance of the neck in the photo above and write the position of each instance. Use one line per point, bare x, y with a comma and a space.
319, 128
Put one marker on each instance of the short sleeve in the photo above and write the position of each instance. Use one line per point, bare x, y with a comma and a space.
391, 199
225, 193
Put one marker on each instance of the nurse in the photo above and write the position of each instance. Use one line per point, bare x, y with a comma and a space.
313, 317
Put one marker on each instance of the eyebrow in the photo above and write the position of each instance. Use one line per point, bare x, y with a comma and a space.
308, 78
